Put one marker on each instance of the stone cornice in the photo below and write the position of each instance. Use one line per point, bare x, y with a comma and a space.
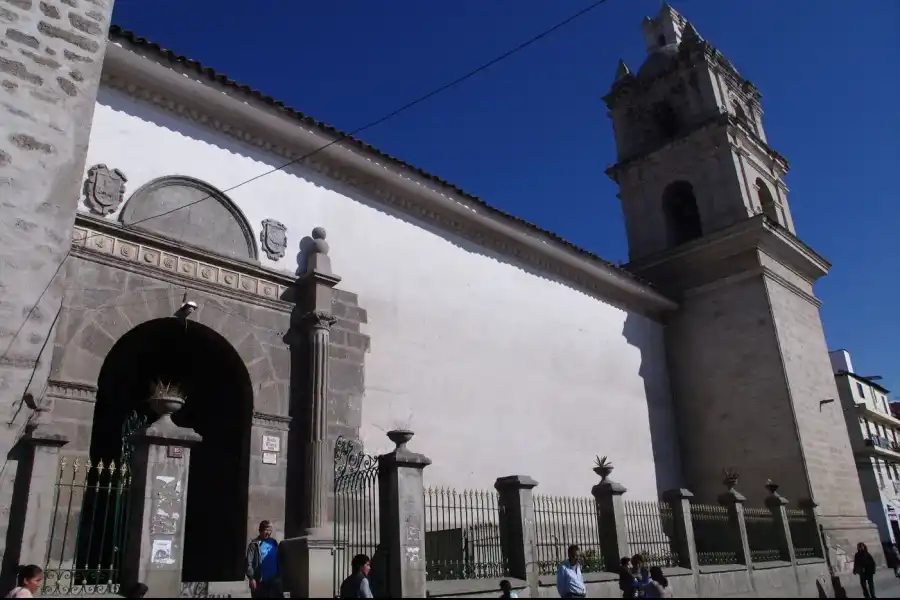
271, 421
759, 272
71, 390
179, 90
757, 232
731, 125
112, 244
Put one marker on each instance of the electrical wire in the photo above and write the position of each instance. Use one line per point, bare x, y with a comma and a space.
343, 136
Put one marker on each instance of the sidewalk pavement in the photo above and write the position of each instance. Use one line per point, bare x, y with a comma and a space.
886, 586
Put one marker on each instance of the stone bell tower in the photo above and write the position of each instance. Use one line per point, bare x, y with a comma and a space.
708, 222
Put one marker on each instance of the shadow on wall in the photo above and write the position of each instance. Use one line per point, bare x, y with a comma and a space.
22, 456
120, 102
647, 337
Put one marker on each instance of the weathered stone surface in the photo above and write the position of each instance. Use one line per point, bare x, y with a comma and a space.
347, 354
19, 70
41, 60
83, 42
43, 158
8, 15
22, 38
747, 355
49, 10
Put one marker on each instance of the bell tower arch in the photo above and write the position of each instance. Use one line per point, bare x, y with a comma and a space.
688, 115
708, 222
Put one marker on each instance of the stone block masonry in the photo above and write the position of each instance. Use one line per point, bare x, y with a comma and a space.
51, 53
347, 356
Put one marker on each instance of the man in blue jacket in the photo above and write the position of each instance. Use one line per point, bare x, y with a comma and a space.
262, 564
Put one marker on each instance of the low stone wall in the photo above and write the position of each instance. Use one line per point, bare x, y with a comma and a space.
476, 588
776, 579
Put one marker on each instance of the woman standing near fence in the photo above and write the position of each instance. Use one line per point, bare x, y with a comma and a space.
658, 586
29, 580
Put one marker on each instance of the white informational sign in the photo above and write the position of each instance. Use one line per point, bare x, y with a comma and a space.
271, 443
162, 552
269, 458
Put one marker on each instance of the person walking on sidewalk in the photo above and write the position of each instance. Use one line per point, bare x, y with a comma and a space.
569, 580
357, 584
864, 567
262, 564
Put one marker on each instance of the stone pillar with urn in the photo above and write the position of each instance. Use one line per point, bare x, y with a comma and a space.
610, 505
402, 518
307, 553
154, 546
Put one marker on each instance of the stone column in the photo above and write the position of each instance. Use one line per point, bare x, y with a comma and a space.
317, 285
318, 451
45, 442
517, 534
680, 501
611, 522
776, 503
733, 501
402, 518
308, 555
155, 527
51, 58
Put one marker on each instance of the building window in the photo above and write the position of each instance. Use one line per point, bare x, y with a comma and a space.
666, 120
769, 207
862, 392
682, 213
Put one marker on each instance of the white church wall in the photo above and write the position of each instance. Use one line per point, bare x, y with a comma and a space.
497, 369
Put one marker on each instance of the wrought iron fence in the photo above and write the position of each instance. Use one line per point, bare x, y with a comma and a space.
804, 533
87, 528
462, 535
713, 535
561, 521
651, 532
356, 525
762, 535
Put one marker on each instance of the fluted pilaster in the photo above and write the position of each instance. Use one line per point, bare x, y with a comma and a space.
318, 454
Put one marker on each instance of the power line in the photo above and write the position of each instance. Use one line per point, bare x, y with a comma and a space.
395, 112
340, 138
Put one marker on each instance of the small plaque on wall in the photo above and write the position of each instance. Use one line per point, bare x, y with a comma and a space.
176, 452
269, 458
271, 443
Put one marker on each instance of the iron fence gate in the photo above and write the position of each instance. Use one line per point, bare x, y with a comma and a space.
356, 528
88, 522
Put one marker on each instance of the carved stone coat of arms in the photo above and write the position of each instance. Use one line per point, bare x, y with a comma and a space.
273, 238
104, 189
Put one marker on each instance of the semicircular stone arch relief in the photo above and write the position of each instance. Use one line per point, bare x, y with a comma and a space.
191, 212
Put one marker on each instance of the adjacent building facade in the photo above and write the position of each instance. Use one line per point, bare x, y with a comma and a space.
875, 435
145, 186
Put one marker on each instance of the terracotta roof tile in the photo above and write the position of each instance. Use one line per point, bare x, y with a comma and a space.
117, 33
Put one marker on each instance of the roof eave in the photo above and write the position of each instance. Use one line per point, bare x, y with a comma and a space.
276, 123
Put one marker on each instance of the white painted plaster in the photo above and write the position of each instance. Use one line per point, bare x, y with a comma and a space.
498, 370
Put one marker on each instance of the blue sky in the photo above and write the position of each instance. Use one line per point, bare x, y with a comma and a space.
531, 136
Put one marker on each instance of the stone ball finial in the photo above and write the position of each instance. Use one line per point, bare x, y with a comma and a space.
320, 246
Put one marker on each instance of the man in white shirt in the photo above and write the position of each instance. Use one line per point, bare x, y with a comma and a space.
569, 580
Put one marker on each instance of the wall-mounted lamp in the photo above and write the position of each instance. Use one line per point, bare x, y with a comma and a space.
187, 307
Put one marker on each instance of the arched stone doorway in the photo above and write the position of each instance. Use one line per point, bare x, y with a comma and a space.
219, 407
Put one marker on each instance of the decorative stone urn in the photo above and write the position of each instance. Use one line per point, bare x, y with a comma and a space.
400, 437
603, 467
772, 486
731, 479
166, 400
